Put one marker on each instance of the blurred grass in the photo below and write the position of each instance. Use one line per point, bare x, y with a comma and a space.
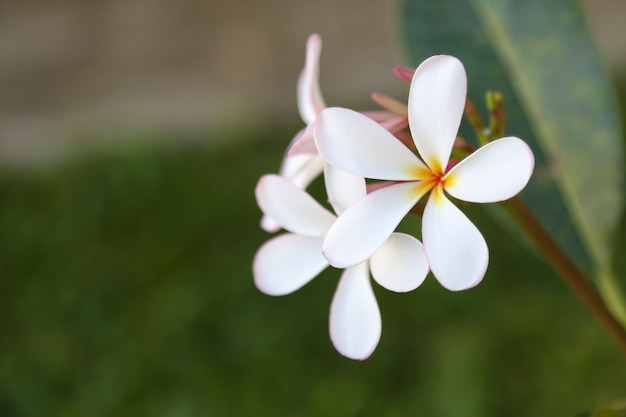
126, 290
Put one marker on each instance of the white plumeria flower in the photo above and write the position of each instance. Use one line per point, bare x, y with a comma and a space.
302, 163
289, 261
455, 248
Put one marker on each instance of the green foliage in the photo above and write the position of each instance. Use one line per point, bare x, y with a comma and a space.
539, 54
126, 290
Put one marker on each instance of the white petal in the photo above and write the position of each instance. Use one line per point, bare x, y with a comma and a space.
310, 101
455, 248
400, 264
355, 322
495, 172
343, 188
436, 103
360, 230
291, 207
302, 169
357, 144
287, 262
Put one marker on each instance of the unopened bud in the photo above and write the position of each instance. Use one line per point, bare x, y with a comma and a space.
390, 104
476, 120
497, 116
404, 73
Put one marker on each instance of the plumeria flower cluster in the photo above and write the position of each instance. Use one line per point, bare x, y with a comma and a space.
302, 162
360, 237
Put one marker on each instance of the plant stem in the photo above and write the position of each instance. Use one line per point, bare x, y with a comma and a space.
563, 265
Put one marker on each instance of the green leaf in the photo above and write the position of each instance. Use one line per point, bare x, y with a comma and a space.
539, 54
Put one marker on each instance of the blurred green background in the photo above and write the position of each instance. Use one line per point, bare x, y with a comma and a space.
126, 290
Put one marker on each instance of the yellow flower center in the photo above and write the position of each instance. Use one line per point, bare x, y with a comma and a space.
431, 179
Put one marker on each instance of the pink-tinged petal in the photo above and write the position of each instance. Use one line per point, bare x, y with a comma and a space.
455, 248
495, 172
373, 186
361, 229
294, 209
310, 101
355, 322
357, 144
400, 264
302, 143
436, 102
269, 225
302, 169
343, 188
286, 263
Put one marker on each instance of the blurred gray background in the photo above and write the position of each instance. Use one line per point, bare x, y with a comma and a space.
81, 74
